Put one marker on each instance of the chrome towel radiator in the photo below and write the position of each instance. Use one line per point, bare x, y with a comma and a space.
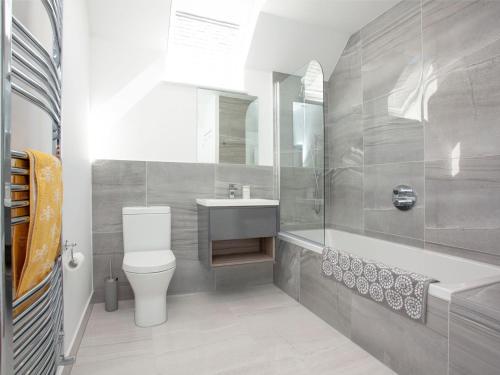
31, 327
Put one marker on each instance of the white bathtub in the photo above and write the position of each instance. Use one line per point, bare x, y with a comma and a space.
454, 273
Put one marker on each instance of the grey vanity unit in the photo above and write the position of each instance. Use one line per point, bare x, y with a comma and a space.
236, 231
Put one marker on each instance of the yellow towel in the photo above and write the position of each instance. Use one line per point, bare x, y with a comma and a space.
45, 219
20, 231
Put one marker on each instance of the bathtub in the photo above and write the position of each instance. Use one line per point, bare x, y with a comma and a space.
454, 273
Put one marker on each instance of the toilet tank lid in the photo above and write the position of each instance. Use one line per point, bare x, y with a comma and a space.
145, 210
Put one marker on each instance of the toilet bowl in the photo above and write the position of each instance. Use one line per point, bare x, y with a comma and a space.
149, 262
149, 274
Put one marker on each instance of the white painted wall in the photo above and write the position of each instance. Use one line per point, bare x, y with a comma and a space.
136, 115
285, 45
77, 205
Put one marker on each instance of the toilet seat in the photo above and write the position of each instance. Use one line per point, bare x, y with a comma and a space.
148, 261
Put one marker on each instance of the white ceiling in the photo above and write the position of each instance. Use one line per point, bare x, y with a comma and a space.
277, 44
346, 16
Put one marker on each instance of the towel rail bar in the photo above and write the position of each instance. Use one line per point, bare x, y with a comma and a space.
19, 204
19, 75
18, 42
19, 155
19, 220
19, 171
54, 20
53, 275
32, 343
19, 187
33, 99
32, 69
47, 60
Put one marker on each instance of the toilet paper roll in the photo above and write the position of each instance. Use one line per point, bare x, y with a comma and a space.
79, 258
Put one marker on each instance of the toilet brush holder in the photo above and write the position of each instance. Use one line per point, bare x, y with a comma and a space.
110, 291
111, 294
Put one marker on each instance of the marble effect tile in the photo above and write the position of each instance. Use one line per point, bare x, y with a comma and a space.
258, 330
463, 204
379, 213
259, 178
392, 52
392, 129
345, 201
286, 273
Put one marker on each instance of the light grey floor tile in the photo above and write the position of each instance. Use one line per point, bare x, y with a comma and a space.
258, 330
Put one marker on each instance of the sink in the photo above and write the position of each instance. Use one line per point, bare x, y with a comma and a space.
237, 202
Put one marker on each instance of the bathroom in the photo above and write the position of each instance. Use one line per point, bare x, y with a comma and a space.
250, 187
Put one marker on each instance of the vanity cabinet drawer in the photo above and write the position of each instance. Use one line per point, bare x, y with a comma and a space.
227, 223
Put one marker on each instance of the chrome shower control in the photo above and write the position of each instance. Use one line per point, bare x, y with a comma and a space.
403, 197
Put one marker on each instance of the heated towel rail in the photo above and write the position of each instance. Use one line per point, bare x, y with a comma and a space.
31, 326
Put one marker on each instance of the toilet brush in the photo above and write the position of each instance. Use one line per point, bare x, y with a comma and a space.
110, 291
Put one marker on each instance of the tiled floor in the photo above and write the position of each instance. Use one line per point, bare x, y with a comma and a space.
257, 331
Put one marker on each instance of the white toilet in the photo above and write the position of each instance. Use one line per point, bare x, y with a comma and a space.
149, 262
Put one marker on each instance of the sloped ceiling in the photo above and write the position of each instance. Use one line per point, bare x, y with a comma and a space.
288, 34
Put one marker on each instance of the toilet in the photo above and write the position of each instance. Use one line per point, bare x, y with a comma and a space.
149, 262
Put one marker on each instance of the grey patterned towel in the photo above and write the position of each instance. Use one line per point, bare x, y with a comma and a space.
402, 291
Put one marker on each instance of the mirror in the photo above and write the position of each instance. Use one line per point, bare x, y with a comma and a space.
228, 128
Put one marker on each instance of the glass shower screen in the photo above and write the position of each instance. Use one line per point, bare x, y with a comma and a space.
299, 109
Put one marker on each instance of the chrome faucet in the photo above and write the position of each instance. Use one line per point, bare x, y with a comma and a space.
232, 191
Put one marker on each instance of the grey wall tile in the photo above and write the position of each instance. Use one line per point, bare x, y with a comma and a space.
297, 202
393, 131
286, 272
437, 315
408, 347
463, 204
379, 213
344, 86
241, 276
345, 201
453, 30
344, 140
191, 276
323, 296
391, 51
260, 179
462, 78
473, 348
124, 183
107, 243
178, 185
115, 184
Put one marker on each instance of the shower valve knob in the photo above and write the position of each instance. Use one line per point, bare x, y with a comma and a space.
403, 197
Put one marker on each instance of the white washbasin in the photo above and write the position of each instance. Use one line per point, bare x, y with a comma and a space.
236, 202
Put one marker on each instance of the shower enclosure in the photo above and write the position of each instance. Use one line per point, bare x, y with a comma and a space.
301, 133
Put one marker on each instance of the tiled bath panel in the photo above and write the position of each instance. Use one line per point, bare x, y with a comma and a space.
407, 347
119, 183
427, 83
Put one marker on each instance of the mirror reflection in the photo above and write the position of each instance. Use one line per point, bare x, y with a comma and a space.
228, 128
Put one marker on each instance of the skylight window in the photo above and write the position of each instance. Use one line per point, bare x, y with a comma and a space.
209, 41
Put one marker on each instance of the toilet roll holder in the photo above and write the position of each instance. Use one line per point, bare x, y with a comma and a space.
71, 247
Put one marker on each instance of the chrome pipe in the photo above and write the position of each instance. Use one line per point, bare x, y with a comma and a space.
46, 58
19, 155
54, 22
47, 79
19, 171
19, 204
19, 220
47, 279
19, 187
33, 99
16, 73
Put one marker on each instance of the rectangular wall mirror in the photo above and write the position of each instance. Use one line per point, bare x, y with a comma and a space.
228, 128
